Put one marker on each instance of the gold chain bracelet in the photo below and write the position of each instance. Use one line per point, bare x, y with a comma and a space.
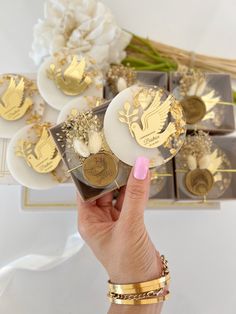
137, 301
148, 292
137, 296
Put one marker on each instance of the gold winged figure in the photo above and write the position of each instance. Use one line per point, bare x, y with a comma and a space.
153, 120
74, 80
13, 105
46, 157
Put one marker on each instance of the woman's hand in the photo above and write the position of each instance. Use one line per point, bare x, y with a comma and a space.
116, 233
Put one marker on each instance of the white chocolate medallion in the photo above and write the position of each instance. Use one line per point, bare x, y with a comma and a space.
144, 121
53, 90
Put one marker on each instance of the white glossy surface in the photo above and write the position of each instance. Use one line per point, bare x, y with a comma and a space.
54, 96
21, 171
118, 135
200, 245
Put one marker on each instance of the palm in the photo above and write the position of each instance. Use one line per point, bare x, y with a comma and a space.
100, 216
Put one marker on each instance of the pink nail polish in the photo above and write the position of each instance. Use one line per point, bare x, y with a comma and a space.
141, 168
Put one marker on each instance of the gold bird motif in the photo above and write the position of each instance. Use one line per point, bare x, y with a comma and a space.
153, 121
46, 157
14, 106
73, 81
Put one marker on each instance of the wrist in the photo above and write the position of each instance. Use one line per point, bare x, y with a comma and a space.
147, 272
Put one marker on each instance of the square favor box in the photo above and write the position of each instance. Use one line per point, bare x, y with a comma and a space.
162, 187
220, 118
86, 190
145, 78
227, 144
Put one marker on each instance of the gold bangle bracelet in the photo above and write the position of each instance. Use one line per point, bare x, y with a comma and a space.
142, 301
139, 287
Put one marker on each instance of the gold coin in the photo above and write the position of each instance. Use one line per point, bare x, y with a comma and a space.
100, 169
199, 182
194, 109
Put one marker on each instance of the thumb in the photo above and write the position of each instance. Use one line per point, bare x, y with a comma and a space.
137, 190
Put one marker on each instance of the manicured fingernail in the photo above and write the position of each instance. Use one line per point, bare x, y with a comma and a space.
141, 168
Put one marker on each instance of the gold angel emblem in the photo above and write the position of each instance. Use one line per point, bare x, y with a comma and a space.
45, 157
13, 104
74, 80
150, 133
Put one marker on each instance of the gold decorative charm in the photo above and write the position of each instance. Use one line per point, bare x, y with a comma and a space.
198, 98
42, 156
154, 129
100, 169
119, 77
14, 104
73, 80
199, 182
86, 153
194, 109
204, 165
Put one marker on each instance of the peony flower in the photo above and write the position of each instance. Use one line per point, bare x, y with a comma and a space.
83, 27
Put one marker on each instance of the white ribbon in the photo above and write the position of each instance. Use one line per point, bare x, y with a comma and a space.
39, 262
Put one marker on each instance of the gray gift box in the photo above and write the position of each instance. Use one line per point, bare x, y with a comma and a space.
221, 83
168, 190
86, 191
146, 78
228, 145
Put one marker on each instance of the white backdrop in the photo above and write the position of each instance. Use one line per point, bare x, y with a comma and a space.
200, 244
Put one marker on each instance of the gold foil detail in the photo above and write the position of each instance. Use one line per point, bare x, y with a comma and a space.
42, 156
13, 104
120, 77
74, 80
152, 132
82, 132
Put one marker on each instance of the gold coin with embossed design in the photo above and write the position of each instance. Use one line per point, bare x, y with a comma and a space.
100, 169
199, 182
194, 109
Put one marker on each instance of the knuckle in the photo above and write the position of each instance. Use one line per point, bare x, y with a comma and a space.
135, 192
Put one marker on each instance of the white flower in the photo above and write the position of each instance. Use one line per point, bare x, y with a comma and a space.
83, 27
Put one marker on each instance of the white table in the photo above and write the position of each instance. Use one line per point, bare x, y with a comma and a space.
200, 244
